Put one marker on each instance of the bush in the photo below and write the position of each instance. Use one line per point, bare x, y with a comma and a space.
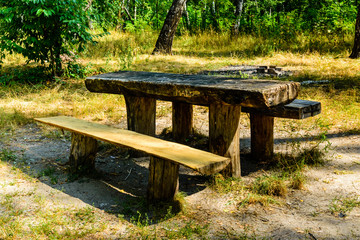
43, 30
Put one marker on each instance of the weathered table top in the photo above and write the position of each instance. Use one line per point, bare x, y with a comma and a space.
195, 89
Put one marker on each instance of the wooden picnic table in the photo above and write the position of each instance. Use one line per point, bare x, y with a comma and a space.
225, 96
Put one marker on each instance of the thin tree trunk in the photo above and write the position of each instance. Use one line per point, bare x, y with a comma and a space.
239, 4
167, 34
187, 18
356, 49
214, 16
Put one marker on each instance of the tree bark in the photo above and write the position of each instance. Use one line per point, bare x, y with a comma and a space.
167, 33
262, 137
356, 49
182, 121
224, 135
239, 4
82, 153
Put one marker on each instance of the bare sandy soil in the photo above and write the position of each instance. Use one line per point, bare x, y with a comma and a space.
304, 214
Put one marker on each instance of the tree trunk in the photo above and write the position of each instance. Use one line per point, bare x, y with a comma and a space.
239, 4
214, 16
187, 18
166, 37
356, 49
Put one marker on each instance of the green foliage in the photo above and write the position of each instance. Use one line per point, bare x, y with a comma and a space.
43, 30
269, 185
342, 205
7, 155
24, 74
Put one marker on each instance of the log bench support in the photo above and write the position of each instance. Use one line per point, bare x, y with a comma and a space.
165, 156
82, 153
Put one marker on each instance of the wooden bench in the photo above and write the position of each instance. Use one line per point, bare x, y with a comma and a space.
163, 184
262, 124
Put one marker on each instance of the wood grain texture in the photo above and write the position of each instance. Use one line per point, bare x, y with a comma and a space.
262, 137
201, 161
163, 179
141, 113
297, 109
196, 89
182, 121
224, 135
82, 153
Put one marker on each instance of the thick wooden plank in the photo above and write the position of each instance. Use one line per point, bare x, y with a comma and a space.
297, 109
201, 161
196, 89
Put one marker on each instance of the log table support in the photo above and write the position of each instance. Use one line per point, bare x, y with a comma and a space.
141, 112
224, 135
262, 136
82, 153
182, 121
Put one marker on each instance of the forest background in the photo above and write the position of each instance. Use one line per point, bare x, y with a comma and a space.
43, 31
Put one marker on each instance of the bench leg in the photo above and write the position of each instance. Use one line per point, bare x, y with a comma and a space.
262, 136
163, 179
82, 153
182, 121
224, 135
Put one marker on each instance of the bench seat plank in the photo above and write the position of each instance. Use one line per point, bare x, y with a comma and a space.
297, 109
201, 161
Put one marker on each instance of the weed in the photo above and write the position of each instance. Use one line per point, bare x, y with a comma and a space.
253, 198
297, 180
49, 172
7, 155
86, 214
269, 185
342, 205
226, 185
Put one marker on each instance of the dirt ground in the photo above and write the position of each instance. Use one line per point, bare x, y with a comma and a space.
305, 214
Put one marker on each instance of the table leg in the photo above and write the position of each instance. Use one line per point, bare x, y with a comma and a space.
224, 135
141, 112
182, 121
82, 153
262, 136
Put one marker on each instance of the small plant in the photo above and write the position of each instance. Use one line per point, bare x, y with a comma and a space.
7, 155
222, 185
253, 198
269, 185
49, 172
86, 214
297, 180
342, 205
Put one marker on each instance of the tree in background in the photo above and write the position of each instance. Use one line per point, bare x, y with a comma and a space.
44, 30
356, 49
166, 36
